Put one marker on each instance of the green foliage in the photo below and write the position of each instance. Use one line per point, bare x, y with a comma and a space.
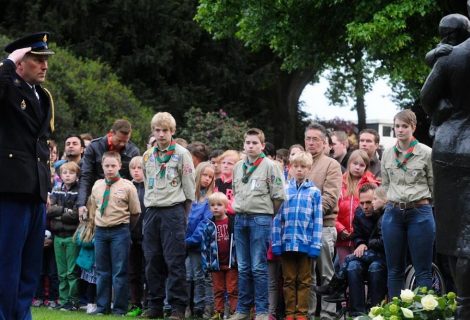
88, 97
216, 129
156, 49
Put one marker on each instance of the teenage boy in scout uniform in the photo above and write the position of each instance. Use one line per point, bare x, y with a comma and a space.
258, 187
169, 191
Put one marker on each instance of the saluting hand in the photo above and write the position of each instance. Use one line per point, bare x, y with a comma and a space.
18, 54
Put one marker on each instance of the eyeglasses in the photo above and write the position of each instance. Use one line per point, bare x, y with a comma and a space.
314, 139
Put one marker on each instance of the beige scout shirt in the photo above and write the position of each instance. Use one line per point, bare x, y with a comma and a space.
326, 175
123, 201
176, 186
414, 184
266, 184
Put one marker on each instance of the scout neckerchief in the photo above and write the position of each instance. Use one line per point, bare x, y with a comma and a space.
107, 191
254, 165
166, 157
408, 154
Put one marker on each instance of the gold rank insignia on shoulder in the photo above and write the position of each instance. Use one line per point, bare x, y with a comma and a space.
45, 38
23, 105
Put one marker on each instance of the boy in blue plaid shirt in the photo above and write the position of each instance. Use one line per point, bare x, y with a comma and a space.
296, 236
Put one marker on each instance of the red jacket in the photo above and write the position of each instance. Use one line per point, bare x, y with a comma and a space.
347, 207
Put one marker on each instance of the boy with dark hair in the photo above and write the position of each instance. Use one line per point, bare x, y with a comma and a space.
116, 204
258, 187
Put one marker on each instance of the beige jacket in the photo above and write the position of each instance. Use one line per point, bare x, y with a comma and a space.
326, 174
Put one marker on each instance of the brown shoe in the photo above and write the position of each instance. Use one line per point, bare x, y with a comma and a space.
152, 314
175, 315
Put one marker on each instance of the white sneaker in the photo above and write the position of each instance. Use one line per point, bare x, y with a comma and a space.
90, 308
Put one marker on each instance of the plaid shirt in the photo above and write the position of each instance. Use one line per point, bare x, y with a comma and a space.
298, 226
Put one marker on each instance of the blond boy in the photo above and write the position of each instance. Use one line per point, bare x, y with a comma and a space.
169, 192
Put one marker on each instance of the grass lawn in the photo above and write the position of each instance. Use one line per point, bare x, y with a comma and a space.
44, 313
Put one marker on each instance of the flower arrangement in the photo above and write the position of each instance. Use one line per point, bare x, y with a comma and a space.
420, 303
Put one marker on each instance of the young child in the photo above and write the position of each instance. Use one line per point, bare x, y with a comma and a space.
116, 204
63, 215
258, 188
84, 237
136, 254
296, 236
223, 184
368, 257
218, 255
197, 219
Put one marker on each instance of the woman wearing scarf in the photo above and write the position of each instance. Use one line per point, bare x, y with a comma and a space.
408, 222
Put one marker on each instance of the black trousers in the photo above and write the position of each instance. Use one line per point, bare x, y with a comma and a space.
164, 232
460, 269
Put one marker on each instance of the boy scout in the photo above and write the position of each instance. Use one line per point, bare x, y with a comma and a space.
169, 191
258, 187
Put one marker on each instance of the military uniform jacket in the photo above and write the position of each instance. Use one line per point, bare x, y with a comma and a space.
25, 127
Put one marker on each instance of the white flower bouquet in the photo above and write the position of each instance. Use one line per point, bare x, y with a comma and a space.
419, 304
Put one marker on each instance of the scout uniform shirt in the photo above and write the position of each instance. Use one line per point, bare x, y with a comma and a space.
123, 201
416, 183
265, 184
176, 186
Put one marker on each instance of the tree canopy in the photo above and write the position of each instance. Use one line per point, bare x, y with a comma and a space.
320, 33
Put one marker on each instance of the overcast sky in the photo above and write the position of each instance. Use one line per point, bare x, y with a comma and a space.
378, 104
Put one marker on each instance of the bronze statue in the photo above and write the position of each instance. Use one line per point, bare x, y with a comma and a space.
445, 96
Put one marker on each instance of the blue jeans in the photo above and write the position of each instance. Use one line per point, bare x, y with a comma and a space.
370, 266
412, 229
194, 268
252, 236
112, 250
21, 246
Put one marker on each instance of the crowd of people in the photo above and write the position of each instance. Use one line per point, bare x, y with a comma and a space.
213, 234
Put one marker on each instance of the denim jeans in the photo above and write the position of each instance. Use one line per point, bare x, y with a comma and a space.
412, 229
112, 250
252, 236
194, 268
370, 266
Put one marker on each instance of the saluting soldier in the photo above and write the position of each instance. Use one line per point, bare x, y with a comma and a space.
26, 122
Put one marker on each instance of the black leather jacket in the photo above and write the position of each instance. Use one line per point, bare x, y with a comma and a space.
91, 169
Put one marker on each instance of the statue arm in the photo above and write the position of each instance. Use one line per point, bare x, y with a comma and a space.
434, 88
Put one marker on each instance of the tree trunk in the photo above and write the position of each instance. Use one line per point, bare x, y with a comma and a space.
285, 96
359, 90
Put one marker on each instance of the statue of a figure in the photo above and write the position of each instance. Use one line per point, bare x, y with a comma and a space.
445, 96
